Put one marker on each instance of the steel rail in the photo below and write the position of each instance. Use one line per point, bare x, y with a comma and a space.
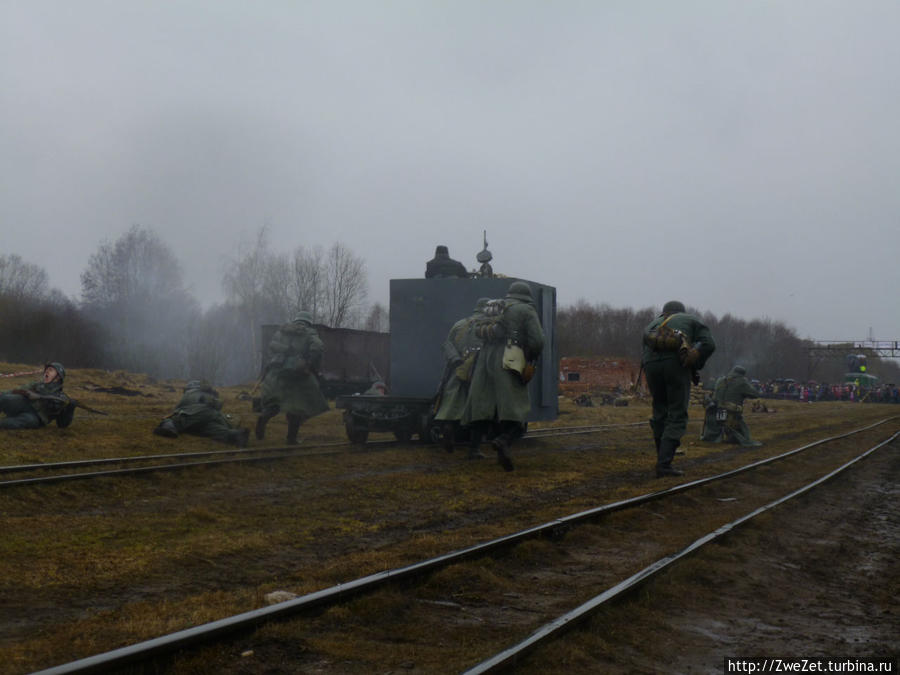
552, 432
554, 628
190, 637
288, 452
18, 468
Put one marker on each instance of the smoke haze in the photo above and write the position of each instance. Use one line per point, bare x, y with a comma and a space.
741, 157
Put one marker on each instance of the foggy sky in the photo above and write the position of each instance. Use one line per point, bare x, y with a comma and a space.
742, 157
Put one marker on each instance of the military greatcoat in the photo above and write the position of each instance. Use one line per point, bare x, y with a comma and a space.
199, 413
290, 383
461, 350
496, 393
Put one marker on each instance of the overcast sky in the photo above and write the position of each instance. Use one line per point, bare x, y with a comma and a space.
743, 157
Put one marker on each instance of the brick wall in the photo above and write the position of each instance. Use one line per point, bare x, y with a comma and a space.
595, 374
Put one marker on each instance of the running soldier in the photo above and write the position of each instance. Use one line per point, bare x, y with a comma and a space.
290, 384
461, 350
498, 395
676, 346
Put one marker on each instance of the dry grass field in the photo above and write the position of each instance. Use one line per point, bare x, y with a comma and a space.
88, 566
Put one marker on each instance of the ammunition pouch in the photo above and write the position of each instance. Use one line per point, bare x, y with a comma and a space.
489, 331
665, 339
528, 372
688, 357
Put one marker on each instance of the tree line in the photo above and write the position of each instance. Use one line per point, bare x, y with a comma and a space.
136, 313
768, 349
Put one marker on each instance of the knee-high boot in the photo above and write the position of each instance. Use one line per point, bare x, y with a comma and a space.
293, 424
263, 420
664, 456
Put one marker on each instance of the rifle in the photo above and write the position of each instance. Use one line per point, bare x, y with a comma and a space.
65, 399
79, 404
637, 381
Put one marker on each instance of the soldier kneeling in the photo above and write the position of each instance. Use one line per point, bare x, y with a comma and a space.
199, 412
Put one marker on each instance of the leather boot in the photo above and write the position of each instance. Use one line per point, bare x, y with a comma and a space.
262, 421
447, 436
293, 424
475, 445
666, 452
501, 445
239, 437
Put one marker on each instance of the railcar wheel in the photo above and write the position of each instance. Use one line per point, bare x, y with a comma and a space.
356, 434
433, 434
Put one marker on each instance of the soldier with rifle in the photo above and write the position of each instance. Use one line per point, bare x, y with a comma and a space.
676, 346
39, 403
199, 412
460, 349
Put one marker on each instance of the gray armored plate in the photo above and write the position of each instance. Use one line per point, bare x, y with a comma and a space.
422, 313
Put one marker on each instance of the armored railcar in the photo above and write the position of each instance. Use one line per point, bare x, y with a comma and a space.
422, 311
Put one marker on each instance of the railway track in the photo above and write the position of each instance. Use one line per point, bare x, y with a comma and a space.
570, 559
56, 472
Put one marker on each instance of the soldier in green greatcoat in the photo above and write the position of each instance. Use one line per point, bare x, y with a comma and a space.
498, 394
461, 350
676, 346
199, 413
39, 403
730, 396
290, 385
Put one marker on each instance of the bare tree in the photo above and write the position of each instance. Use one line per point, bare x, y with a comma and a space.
20, 279
346, 286
256, 286
332, 286
308, 281
134, 288
378, 319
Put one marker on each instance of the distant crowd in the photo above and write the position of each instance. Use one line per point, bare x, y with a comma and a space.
815, 391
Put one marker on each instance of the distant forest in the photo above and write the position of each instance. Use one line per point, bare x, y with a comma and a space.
136, 314
767, 349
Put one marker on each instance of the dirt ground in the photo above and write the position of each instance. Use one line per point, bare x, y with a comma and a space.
817, 577
91, 566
